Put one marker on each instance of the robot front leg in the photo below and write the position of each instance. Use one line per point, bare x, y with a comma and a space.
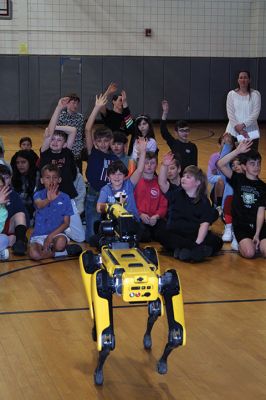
103, 313
172, 293
154, 312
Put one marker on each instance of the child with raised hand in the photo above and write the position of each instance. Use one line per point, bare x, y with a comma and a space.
56, 149
249, 199
187, 150
53, 211
99, 157
4, 199
169, 174
190, 215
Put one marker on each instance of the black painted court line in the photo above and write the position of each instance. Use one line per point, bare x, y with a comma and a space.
187, 303
211, 134
58, 259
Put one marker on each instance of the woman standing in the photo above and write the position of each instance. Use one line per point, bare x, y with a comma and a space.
243, 108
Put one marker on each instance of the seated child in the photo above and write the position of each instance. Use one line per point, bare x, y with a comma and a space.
25, 179
118, 146
53, 211
122, 186
216, 179
99, 158
16, 223
25, 143
143, 129
249, 197
150, 201
190, 214
2, 155
4, 199
56, 149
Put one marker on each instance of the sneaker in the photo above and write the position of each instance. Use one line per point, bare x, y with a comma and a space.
228, 233
19, 248
234, 244
220, 210
73, 250
4, 255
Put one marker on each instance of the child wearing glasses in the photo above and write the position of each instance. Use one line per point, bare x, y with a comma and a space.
180, 144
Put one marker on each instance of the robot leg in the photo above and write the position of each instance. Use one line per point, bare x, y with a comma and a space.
172, 293
155, 309
104, 331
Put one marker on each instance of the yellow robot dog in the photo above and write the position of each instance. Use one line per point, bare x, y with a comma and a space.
123, 268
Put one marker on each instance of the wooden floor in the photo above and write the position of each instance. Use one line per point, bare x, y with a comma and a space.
46, 351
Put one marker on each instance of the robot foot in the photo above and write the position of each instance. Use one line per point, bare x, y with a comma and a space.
147, 342
98, 377
162, 367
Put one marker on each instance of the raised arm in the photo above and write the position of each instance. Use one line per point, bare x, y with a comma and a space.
112, 88
223, 163
71, 132
62, 103
165, 108
135, 177
162, 178
100, 101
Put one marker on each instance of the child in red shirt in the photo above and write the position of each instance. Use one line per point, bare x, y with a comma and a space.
150, 201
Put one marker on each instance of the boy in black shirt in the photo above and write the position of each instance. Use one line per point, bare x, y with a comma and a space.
249, 199
188, 151
56, 149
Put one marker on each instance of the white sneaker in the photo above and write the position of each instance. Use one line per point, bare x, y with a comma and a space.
4, 255
234, 244
228, 234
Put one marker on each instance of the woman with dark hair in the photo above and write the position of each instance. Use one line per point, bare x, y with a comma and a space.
243, 108
144, 128
25, 178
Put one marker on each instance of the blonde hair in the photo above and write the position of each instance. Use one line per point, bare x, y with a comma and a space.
200, 176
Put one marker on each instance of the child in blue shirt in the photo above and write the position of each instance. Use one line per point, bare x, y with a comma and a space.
52, 218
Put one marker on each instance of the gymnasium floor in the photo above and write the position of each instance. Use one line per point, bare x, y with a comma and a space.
46, 350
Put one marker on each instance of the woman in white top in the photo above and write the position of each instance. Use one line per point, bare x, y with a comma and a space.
243, 107
144, 128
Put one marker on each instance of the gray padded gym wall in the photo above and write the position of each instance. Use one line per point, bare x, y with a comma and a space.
49, 86
70, 75
132, 82
153, 86
199, 103
195, 87
112, 72
9, 83
24, 88
176, 86
34, 89
219, 87
92, 83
